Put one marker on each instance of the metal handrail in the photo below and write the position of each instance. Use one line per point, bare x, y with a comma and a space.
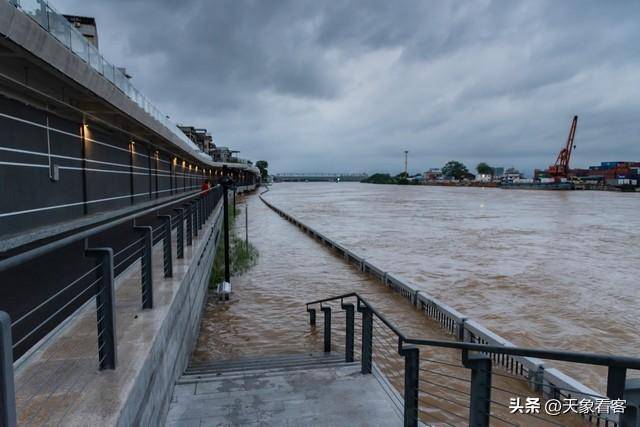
20, 258
557, 355
480, 362
103, 289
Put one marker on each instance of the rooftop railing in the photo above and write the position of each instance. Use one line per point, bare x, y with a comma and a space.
58, 26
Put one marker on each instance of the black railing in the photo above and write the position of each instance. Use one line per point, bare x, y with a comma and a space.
98, 281
482, 371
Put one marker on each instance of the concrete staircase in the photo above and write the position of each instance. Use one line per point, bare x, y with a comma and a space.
302, 389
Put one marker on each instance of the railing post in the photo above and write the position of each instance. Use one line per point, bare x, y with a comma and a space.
189, 224
203, 208
480, 404
350, 331
312, 316
7, 388
326, 310
199, 208
167, 250
367, 339
411, 385
180, 234
225, 207
462, 338
632, 396
105, 308
616, 379
146, 273
194, 213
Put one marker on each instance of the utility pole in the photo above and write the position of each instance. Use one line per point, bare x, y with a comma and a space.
406, 169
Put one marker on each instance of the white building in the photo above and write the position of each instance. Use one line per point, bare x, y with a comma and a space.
511, 175
483, 177
432, 174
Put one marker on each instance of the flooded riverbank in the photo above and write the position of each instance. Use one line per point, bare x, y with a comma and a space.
550, 269
267, 315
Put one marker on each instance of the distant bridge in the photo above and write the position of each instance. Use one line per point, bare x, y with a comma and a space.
319, 177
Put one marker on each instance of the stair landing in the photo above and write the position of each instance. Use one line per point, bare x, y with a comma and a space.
308, 389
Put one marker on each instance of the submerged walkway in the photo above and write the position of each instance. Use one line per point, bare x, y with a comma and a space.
266, 314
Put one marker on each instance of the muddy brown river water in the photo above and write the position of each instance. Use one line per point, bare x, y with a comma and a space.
546, 269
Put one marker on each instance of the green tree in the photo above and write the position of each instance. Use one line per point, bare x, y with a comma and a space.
263, 165
484, 169
454, 169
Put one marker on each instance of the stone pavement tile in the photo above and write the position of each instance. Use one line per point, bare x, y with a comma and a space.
195, 422
183, 390
268, 386
236, 411
222, 385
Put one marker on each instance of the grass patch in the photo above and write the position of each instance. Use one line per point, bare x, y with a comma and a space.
242, 256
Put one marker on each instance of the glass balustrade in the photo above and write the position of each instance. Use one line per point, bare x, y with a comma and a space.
47, 17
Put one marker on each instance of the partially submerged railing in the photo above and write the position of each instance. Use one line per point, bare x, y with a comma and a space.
194, 210
485, 368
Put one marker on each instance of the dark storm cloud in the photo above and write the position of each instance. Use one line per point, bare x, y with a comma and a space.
346, 86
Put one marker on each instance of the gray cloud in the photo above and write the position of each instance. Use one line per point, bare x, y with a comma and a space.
346, 86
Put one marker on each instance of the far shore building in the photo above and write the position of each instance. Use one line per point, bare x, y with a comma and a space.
483, 177
433, 174
511, 175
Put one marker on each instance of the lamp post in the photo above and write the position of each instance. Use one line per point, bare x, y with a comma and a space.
227, 182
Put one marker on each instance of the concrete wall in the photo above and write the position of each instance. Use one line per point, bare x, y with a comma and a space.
98, 171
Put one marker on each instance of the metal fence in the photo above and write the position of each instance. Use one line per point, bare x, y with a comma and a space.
468, 383
111, 247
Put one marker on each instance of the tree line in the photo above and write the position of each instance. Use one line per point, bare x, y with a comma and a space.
458, 170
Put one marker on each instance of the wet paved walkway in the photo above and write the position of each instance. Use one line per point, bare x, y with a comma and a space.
60, 384
301, 390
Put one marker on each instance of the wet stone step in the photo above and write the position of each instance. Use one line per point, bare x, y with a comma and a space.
252, 363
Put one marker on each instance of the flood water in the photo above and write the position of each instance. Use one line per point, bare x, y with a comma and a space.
546, 269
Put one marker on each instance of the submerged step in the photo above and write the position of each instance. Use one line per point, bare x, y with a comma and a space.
255, 373
264, 361
257, 366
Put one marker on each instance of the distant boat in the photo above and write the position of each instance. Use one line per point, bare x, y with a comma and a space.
538, 186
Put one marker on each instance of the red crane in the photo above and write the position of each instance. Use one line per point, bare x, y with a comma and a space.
561, 168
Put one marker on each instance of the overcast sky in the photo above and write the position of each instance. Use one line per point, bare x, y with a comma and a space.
346, 86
